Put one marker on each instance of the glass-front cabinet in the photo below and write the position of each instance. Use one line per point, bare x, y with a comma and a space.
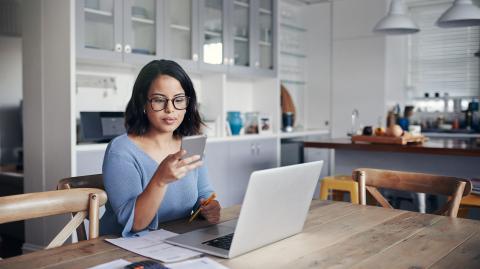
234, 36
266, 36
239, 56
127, 30
213, 53
99, 33
142, 32
181, 32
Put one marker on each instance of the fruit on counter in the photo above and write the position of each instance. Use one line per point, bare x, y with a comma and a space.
367, 130
379, 131
394, 130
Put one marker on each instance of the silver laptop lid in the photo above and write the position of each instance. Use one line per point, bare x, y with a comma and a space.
275, 205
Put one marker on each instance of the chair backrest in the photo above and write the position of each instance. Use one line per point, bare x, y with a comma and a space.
89, 181
371, 179
84, 201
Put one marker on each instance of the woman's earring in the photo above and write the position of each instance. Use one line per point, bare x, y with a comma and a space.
144, 112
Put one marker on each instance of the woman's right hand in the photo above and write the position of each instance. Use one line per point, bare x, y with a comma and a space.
173, 167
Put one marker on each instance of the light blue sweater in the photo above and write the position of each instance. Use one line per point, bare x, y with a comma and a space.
126, 172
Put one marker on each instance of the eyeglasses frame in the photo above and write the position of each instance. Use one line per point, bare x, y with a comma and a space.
168, 100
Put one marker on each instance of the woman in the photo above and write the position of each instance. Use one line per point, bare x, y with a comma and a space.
146, 181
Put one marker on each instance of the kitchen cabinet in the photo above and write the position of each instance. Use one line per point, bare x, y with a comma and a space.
230, 165
232, 36
182, 32
119, 31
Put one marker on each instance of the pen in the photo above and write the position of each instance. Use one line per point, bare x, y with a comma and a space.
206, 202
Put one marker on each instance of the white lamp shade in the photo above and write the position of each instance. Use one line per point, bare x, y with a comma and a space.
396, 22
462, 13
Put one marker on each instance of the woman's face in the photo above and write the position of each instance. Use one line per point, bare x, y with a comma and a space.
161, 113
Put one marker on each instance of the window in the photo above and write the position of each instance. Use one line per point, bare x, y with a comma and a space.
442, 60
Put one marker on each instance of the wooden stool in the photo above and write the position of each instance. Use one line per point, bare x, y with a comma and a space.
469, 201
341, 183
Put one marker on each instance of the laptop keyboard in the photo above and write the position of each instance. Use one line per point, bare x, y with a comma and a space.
222, 242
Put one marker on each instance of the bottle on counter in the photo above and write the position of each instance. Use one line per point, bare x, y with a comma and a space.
456, 123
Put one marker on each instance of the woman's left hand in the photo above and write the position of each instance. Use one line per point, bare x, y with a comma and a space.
211, 212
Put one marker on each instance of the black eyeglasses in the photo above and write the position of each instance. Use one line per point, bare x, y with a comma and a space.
160, 103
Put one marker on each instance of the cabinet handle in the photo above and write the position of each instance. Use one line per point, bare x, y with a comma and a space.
231, 61
128, 49
257, 152
195, 57
253, 149
118, 47
257, 64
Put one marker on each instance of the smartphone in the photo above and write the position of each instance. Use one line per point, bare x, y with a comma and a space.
194, 145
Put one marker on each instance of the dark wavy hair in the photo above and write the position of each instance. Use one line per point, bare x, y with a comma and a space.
136, 121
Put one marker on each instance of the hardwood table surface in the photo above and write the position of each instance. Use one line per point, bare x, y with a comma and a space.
336, 235
437, 146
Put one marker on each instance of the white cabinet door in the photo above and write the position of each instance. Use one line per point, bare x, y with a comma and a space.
246, 157
242, 160
216, 160
230, 165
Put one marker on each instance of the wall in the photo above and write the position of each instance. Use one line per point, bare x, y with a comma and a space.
10, 97
368, 69
48, 77
317, 19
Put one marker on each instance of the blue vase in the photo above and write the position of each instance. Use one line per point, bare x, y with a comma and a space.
235, 122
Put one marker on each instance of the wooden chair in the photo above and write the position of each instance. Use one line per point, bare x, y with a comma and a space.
371, 179
42, 204
89, 181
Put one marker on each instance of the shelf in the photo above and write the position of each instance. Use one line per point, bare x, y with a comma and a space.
293, 27
297, 55
265, 44
97, 12
296, 82
212, 33
301, 133
241, 4
241, 138
265, 11
142, 20
433, 98
240, 38
180, 27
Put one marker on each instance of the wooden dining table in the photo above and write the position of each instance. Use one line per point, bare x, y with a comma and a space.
335, 235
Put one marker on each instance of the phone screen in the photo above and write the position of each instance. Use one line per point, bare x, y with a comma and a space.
194, 145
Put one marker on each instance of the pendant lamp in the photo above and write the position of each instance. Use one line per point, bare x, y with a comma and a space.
462, 13
396, 22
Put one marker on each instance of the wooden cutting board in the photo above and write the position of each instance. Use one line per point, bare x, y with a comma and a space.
402, 140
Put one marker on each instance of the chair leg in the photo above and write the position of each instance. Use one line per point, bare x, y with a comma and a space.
354, 194
323, 191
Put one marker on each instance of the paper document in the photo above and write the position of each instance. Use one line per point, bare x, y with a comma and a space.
202, 263
116, 264
152, 245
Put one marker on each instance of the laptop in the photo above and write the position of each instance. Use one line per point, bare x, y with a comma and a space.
275, 206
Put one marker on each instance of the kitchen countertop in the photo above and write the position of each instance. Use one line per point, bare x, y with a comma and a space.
436, 146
